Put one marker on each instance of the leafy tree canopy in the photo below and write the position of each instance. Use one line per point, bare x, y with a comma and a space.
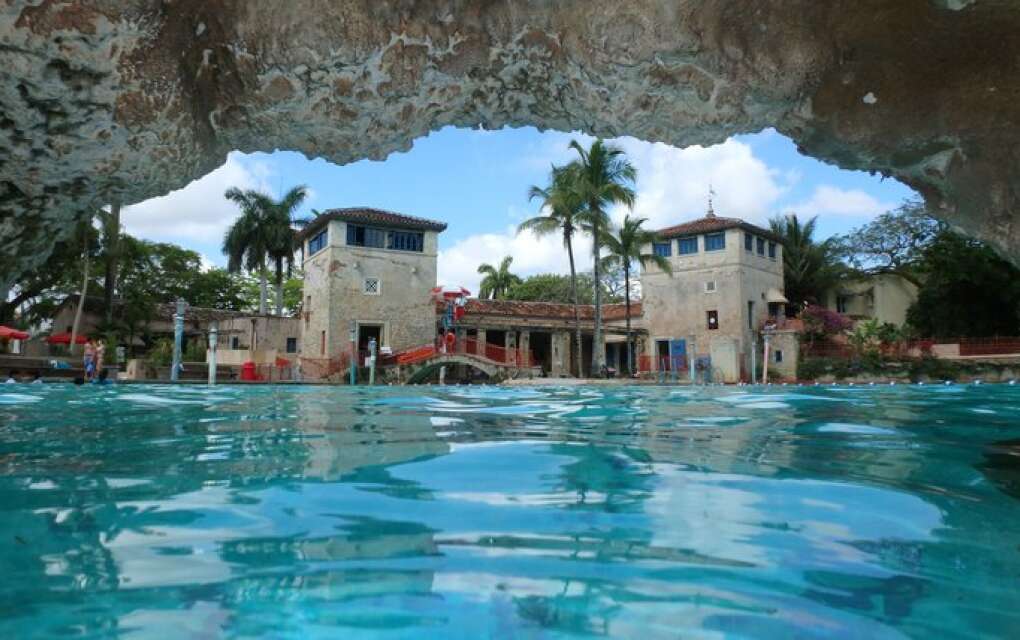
967, 290
894, 242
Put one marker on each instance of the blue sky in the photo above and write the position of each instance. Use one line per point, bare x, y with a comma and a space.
477, 181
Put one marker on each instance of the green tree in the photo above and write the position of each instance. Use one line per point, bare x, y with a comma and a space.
563, 207
602, 177
893, 243
111, 242
810, 268
284, 238
967, 291
497, 280
554, 287
252, 238
625, 249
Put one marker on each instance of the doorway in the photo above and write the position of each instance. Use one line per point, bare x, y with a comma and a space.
365, 333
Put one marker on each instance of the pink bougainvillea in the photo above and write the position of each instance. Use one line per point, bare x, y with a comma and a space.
819, 321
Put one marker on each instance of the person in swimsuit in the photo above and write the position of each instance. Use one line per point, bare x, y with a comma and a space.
89, 360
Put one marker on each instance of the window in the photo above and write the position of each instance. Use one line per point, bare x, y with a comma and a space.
713, 320
291, 345
841, 304
772, 250
359, 236
664, 249
372, 286
688, 245
750, 315
406, 241
318, 242
761, 247
322, 343
779, 355
710, 286
748, 241
235, 343
715, 241
308, 309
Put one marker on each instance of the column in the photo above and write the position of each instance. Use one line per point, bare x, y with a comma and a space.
480, 347
525, 347
461, 340
510, 344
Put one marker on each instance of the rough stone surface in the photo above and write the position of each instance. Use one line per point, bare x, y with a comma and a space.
128, 99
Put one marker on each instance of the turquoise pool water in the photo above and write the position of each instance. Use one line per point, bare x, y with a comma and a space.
484, 512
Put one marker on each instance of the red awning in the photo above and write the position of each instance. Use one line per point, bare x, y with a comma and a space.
7, 333
65, 338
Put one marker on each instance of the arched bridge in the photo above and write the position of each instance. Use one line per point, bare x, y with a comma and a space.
415, 366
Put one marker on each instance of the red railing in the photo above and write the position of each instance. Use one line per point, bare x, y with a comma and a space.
987, 346
496, 353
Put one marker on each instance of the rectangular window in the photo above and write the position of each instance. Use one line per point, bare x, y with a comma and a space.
322, 343
779, 355
372, 286
761, 247
710, 286
359, 236
291, 345
713, 320
715, 241
688, 246
318, 242
308, 309
841, 304
406, 241
235, 343
772, 250
750, 315
748, 241
664, 249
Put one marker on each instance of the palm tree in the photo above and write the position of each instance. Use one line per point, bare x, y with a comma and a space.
111, 238
810, 268
83, 232
284, 238
625, 249
603, 177
564, 208
497, 281
250, 239
263, 232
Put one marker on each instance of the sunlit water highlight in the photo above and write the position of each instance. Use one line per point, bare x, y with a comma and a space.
474, 512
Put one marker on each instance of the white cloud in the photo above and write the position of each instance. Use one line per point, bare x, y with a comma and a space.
833, 201
198, 212
458, 265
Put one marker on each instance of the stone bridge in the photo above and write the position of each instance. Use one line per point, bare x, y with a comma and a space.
420, 371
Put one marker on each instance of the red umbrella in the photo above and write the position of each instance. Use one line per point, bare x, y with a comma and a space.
65, 338
7, 333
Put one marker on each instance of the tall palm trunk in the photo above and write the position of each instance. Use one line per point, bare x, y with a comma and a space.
279, 286
112, 257
598, 355
81, 305
626, 300
263, 290
578, 356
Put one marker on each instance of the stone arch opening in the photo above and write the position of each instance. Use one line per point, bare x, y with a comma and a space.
125, 101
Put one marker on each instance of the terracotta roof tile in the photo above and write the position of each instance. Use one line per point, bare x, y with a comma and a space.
710, 224
368, 215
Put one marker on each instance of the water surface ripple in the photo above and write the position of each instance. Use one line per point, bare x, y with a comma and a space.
474, 512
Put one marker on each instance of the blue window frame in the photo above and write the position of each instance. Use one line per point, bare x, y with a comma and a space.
663, 249
318, 242
406, 241
748, 241
715, 241
772, 250
761, 247
688, 246
360, 236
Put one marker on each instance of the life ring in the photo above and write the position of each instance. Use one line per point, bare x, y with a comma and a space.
451, 339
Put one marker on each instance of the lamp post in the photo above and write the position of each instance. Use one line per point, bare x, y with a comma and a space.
765, 358
354, 352
175, 366
371, 361
213, 339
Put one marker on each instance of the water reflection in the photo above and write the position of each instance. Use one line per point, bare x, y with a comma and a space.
472, 512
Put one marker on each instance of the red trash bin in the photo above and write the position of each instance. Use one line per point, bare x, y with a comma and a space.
248, 372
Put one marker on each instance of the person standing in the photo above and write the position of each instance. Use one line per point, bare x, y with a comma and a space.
100, 355
89, 359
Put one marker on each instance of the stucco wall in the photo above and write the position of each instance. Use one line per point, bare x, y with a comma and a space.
677, 307
884, 297
335, 296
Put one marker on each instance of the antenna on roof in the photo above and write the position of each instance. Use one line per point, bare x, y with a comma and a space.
711, 209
